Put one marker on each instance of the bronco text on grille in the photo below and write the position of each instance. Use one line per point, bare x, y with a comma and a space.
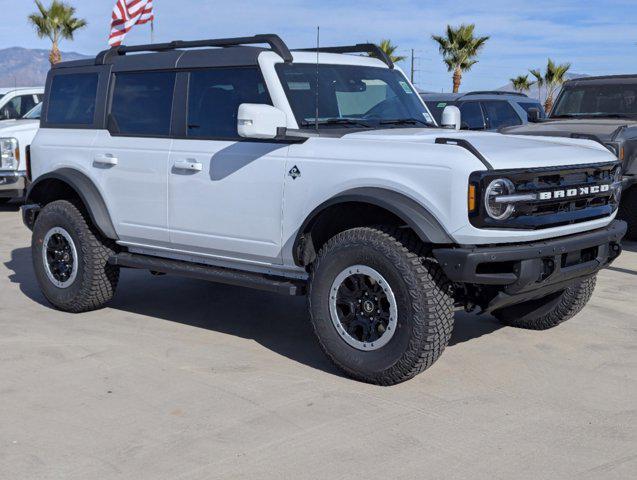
549, 197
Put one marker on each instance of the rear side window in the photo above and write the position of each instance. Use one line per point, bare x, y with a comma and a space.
501, 114
142, 103
214, 97
72, 99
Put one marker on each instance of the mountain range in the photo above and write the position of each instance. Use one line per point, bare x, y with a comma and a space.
23, 67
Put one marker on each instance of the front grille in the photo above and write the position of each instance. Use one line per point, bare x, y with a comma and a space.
555, 212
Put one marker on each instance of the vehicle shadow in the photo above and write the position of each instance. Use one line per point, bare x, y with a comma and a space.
10, 207
629, 246
278, 323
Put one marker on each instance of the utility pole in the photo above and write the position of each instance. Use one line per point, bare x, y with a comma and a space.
413, 70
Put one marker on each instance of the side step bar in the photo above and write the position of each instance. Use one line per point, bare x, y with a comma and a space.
227, 276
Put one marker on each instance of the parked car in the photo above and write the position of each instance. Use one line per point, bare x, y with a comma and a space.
486, 110
17, 102
603, 109
261, 168
15, 138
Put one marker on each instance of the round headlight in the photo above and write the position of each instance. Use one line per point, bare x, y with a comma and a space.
499, 210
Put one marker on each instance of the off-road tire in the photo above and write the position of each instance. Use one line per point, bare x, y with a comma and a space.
550, 311
422, 292
628, 212
96, 279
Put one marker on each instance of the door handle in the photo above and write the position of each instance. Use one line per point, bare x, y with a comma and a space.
105, 159
190, 165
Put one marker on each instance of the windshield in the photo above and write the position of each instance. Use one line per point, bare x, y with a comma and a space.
614, 100
34, 113
351, 96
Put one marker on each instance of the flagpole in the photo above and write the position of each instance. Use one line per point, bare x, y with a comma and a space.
152, 31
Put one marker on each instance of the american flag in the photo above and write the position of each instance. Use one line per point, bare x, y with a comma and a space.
127, 14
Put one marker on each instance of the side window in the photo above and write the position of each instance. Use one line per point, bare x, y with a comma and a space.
214, 96
142, 103
17, 107
471, 115
501, 114
72, 99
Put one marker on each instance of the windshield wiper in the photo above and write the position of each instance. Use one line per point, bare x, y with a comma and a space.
337, 121
405, 121
594, 115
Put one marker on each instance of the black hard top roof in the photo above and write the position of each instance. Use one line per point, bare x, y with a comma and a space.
207, 53
605, 79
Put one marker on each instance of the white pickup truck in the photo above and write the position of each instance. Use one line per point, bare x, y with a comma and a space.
15, 138
317, 172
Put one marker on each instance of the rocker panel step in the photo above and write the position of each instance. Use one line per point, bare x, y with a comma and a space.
210, 273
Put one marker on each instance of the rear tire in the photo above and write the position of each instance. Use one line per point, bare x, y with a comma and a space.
550, 311
70, 259
628, 212
411, 294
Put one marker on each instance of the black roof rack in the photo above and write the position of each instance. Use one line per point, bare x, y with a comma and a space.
276, 44
371, 48
495, 92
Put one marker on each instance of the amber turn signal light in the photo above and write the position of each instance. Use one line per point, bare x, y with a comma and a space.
472, 198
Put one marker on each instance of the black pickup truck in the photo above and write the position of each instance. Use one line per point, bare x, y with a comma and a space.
603, 109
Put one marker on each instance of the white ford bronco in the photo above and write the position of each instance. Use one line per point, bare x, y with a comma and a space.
312, 172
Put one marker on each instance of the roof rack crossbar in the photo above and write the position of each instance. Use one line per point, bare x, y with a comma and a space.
276, 44
370, 48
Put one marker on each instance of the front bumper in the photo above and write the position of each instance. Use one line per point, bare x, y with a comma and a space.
12, 184
525, 271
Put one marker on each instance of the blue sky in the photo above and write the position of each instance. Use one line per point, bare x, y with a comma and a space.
597, 37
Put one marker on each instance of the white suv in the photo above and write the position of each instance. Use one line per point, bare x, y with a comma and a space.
318, 173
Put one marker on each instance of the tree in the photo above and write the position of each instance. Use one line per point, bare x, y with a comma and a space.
539, 81
56, 23
459, 49
521, 83
387, 47
554, 77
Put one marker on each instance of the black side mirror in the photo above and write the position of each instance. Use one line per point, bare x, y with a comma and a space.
534, 115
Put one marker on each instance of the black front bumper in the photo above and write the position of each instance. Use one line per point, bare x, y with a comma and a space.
525, 271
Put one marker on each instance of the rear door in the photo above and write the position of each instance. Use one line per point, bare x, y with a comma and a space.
224, 193
130, 158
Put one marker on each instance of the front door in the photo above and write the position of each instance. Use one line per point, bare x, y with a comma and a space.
224, 194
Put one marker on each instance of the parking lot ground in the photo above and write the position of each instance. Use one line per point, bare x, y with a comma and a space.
181, 379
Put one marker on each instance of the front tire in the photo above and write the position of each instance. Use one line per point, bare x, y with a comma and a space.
70, 259
381, 312
550, 311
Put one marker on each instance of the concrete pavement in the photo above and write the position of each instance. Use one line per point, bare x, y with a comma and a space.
181, 379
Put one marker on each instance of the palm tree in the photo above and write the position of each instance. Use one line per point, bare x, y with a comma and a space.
554, 77
459, 49
539, 81
55, 23
387, 47
521, 83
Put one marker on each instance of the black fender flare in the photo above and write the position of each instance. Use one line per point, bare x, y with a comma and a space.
416, 216
85, 189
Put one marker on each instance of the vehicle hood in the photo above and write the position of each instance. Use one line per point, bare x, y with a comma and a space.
8, 127
604, 129
503, 151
